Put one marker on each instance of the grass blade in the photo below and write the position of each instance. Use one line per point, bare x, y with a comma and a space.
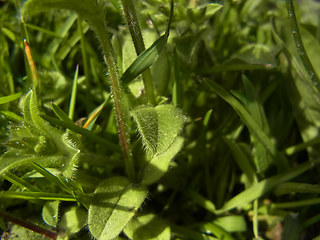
249, 121
73, 94
259, 189
9, 98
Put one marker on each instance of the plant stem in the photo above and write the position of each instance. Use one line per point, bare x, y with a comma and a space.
137, 38
299, 45
120, 100
28, 225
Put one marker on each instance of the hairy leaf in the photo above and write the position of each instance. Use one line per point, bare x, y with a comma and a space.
114, 203
73, 220
148, 227
158, 126
36, 141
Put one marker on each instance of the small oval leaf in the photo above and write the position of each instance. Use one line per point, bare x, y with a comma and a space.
50, 213
73, 220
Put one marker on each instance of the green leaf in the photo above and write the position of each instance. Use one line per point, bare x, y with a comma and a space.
241, 159
37, 196
12, 116
12, 159
259, 189
201, 200
262, 157
291, 228
90, 135
158, 126
159, 164
296, 187
9, 98
232, 223
50, 213
61, 114
86, 8
212, 8
73, 220
144, 60
20, 182
114, 203
218, 231
148, 56
249, 121
148, 227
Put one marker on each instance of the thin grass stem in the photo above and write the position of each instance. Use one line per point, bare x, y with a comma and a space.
299, 45
73, 94
138, 42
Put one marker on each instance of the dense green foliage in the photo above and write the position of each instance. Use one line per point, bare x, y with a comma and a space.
159, 119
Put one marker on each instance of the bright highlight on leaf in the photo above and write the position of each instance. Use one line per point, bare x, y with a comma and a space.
148, 227
114, 203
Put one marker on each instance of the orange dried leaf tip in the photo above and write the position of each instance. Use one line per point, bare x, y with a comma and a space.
86, 125
30, 60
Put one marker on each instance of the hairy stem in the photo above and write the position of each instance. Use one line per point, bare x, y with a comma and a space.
120, 101
137, 38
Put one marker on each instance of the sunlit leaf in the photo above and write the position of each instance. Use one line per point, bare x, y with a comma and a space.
158, 126
114, 203
50, 213
148, 227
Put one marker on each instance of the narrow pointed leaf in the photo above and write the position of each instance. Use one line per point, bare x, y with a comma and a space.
261, 188
148, 56
83, 132
9, 98
250, 122
144, 60
60, 114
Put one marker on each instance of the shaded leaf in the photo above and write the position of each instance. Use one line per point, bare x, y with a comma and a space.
259, 189
295, 187
159, 164
218, 231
